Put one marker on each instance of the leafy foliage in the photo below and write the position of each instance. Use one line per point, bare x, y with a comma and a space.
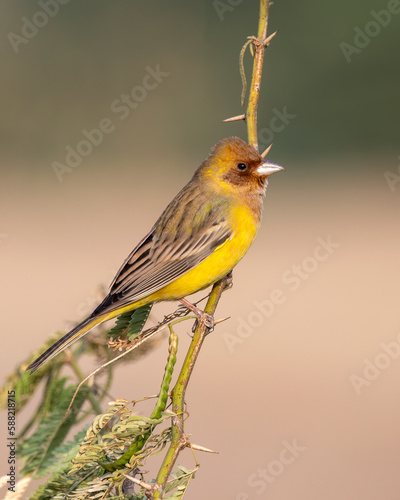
179, 481
39, 450
99, 460
131, 323
25, 384
108, 436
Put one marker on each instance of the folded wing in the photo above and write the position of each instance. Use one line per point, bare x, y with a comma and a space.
184, 236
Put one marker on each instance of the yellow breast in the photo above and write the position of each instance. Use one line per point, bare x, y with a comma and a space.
244, 226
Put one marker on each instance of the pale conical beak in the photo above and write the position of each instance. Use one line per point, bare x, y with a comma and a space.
268, 168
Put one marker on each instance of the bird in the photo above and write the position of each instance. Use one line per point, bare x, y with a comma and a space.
198, 239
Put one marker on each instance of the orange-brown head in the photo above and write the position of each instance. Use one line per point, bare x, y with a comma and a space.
235, 167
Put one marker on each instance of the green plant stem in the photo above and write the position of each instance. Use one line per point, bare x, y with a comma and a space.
178, 439
259, 48
140, 441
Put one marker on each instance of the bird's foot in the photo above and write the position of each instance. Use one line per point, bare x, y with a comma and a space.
202, 316
228, 281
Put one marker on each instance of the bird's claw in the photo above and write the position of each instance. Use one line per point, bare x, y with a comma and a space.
206, 319
228, 281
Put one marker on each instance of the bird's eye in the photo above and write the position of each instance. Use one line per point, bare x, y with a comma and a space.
242, 166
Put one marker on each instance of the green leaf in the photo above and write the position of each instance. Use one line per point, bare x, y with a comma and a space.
121, 325
138, 320
24, 384
39, 449
179, 481
131, 323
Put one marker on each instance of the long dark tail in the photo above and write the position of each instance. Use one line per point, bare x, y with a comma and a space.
71, 337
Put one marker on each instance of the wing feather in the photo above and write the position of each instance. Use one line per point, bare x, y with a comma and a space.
178, 242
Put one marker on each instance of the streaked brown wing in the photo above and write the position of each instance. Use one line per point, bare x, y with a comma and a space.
178, 242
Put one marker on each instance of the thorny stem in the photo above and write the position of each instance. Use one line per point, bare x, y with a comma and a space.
259, 47
179, 440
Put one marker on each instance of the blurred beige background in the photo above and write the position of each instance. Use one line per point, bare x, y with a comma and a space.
298, 391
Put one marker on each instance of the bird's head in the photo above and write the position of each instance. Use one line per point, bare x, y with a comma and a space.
236, 167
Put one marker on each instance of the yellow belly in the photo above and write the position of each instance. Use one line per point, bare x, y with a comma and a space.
216, 266
219, 263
